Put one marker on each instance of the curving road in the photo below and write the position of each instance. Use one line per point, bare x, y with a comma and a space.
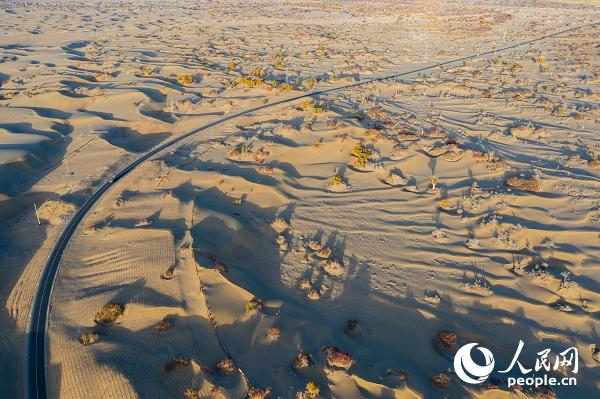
38, 319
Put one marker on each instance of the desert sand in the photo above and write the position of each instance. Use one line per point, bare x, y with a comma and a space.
342, 245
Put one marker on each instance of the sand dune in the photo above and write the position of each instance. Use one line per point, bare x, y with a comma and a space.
315, 248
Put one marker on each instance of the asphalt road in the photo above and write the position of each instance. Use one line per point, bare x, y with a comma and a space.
38, 320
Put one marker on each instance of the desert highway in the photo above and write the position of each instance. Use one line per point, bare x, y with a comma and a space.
35, 362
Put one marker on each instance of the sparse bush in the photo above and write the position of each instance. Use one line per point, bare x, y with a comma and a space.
108, 314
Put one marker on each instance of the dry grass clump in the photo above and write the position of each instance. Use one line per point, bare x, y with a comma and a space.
302, 360
272, 334
253, 305
226, 366
108, 314
163, 325
177, 362
447, 339
336, 358
88, 338
185, 79
441, 380
258, 393
522, 183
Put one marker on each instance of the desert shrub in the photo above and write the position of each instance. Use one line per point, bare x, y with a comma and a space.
258, 393
177, 362
272, 334
191, 393
313, 294
163, 325
302, 360
108, 314
516, 68
311, 106
362, 154
167, 274
221, 268
226, 366
313, 388
441, 380
309, 83
280, 224
447, 338
304, 284
333, 268
336, 358
526, 184
146, 70
324, 252
249, 81
253, 304
88, 338
185, 79
338, 184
